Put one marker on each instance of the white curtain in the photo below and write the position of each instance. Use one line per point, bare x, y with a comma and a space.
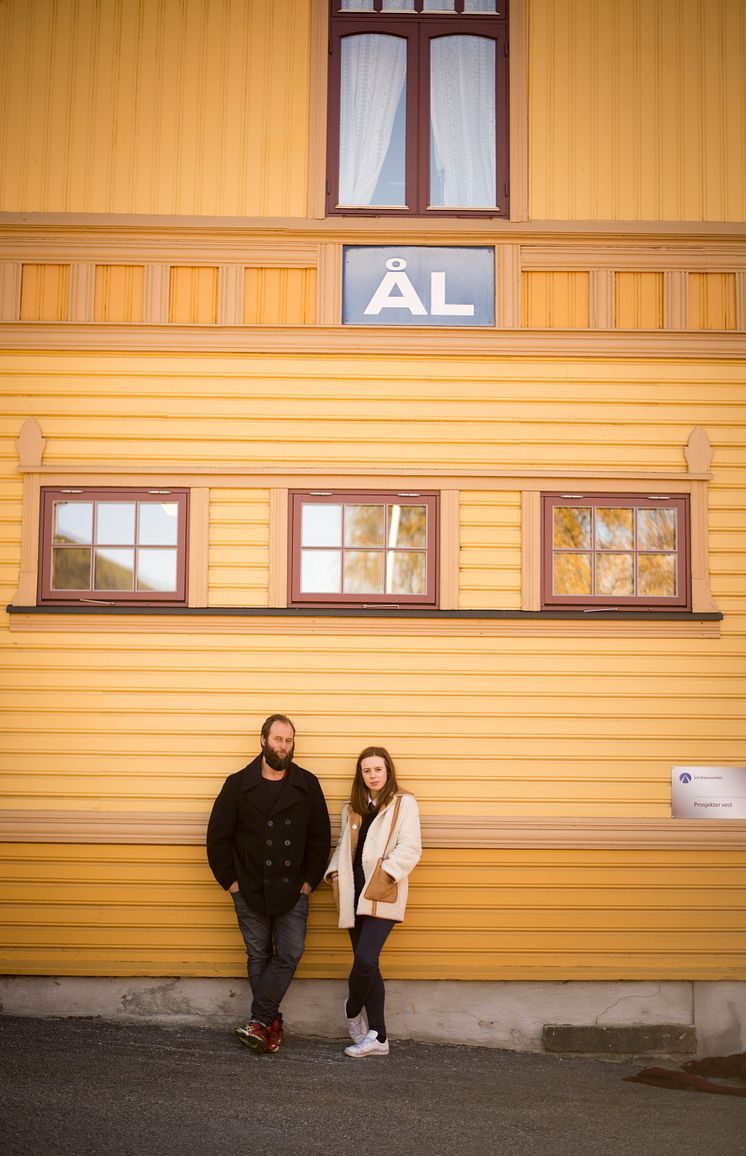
373, 73
462, 111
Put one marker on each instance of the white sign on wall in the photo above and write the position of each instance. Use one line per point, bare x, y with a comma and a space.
418, 285
708, 792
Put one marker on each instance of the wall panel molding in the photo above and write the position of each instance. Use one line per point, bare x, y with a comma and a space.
317, 339
448, 831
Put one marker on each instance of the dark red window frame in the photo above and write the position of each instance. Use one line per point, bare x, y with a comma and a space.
298, 498
682, 599
95, 494
419, 29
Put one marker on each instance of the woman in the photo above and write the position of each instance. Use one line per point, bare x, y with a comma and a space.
380, 823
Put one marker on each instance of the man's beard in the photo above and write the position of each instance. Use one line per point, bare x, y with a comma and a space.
275, 761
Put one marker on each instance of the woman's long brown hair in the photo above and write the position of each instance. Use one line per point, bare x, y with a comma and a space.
359, 792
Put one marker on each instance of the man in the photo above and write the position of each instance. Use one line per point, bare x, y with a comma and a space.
268, 843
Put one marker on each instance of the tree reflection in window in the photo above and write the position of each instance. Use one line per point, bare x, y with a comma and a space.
616, 549
364, 549
113, 543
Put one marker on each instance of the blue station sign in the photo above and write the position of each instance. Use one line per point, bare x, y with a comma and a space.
418, 285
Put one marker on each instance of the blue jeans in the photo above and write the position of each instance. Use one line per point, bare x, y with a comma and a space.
274, 945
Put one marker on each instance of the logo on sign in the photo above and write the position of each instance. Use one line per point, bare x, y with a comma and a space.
685, 777
396, 291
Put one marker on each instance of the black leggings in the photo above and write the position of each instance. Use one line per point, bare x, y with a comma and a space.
365, 981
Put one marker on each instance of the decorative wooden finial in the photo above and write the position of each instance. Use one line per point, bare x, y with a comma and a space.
698, 453
30, 444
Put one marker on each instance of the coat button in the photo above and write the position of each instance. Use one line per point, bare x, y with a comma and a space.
269, 842
270, 823
287, 862
354, 826
288, 822
268, 862
285, 879
287, 842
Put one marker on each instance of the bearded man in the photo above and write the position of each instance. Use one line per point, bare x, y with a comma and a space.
268, 842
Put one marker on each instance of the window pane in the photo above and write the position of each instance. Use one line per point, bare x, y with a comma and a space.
572, 574
615, 574
372, 131
363, 572
356, 6
156, 569
320, 571
114, 569
480, 5
572, 527
398, 5
115, 523
656, 529
439, 6
407, 526
364, 525
73, 523
406, 572
159, 524
321, 525
656, 575
462, 122
71, 569
615, 528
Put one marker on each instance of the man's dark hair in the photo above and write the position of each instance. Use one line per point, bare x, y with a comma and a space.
273, 718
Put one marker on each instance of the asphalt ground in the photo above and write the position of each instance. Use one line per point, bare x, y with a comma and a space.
92, 1088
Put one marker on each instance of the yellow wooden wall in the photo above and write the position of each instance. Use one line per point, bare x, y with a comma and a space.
637, 110
150, 719
154, 106
473, 915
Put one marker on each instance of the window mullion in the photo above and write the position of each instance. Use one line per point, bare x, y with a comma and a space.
413, 166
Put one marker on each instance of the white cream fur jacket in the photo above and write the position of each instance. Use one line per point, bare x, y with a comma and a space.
403, 854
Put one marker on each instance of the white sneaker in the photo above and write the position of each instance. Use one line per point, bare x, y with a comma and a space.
368, 1046
357, 1026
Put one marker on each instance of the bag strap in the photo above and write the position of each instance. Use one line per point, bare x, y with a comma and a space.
356, 820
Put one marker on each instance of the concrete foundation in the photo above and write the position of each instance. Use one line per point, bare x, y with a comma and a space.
507, 1015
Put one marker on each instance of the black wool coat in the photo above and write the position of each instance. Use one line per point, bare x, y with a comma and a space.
273, 854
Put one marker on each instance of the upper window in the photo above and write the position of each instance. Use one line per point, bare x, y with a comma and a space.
418, 107
612, 550
113, 545
363, 549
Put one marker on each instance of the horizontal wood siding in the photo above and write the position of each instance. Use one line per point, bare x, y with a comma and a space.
637, 110
511, 724
479, 915
239, 548
490, 577
154, 106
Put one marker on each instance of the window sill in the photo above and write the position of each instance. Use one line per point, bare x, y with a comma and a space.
387, 619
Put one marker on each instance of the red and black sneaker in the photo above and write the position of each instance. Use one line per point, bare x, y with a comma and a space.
275, 1033
255, 1036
